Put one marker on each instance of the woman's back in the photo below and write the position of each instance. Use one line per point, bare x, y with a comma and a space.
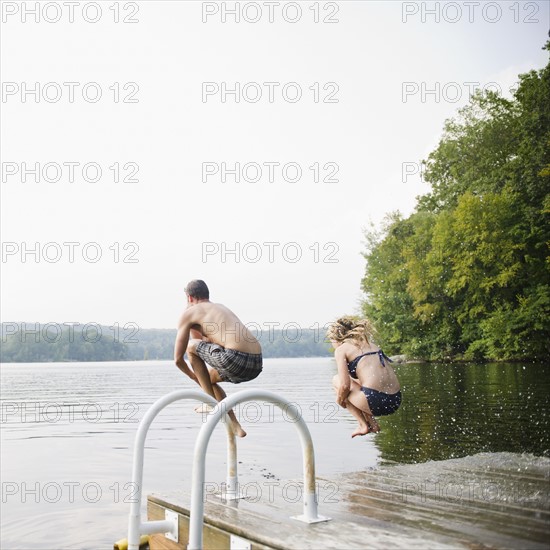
371, 367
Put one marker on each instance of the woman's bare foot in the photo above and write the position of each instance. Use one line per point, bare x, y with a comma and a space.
363, 429
374, 427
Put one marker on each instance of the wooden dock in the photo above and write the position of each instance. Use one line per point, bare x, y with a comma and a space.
475, 502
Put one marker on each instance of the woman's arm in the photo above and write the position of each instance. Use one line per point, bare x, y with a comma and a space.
345, 385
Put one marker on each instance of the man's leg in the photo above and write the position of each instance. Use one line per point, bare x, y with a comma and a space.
199, 368
208, 380
220, 395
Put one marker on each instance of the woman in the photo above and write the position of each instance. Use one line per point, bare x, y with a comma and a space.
366, 385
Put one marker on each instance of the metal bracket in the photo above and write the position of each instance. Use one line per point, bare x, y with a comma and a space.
226, 495
303, 518
172, 517
238, 543
230, 491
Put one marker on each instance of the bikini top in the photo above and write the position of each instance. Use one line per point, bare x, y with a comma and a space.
352, 365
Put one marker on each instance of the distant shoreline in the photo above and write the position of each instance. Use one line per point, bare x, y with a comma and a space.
2, 363
59, 343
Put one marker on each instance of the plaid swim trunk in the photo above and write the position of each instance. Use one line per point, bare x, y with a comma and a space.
233, 366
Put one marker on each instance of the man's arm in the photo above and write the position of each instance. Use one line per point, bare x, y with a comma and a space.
180, 345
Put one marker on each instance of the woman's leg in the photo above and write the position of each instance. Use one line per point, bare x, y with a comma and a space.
357, 399
366, 424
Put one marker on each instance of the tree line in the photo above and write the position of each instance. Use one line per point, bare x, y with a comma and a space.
31, 343
466, 275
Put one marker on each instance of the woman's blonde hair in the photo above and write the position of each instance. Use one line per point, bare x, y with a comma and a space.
350, 328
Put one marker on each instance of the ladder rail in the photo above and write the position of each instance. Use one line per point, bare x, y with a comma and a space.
136, 527
196, 518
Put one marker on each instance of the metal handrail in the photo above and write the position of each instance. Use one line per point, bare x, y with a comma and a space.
196, 518
135, 526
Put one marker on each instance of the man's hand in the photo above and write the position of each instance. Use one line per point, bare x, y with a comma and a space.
182, 366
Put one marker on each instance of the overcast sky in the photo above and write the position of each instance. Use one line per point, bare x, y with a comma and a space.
353, 100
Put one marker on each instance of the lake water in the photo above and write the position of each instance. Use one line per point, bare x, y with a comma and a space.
67, 434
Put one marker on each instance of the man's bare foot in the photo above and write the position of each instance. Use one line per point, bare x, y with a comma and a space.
361, 430
238, 430
204, 408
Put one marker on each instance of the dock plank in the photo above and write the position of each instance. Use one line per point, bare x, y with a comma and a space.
388, 507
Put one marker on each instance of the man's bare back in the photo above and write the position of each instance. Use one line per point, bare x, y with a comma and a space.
219, 346
219, 325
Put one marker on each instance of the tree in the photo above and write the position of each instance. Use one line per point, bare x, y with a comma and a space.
467, 274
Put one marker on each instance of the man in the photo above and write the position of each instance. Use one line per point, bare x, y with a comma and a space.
213, 334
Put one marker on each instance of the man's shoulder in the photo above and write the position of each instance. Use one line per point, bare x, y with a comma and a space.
212, 307
192, 314
200, 310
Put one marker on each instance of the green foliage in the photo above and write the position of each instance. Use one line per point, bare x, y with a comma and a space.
466, 275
